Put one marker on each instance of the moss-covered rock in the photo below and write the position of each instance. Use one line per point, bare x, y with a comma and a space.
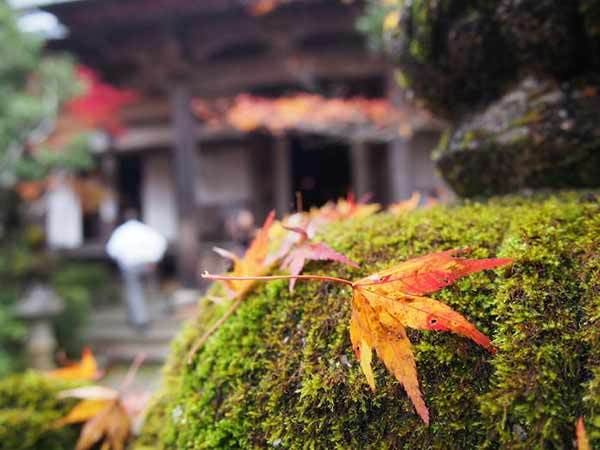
544, 35
451, 52
29, 408
281, 374
457, 55
538, 135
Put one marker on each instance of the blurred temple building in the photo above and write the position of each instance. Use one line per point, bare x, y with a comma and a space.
243, 103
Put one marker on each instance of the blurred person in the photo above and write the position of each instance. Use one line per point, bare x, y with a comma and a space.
136, 248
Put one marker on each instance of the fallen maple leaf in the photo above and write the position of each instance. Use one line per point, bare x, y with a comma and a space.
305, 251
254, 263
84, 370
583, 442
385, 303
111, 423
83, 411
104, 412
348, 208
405, 206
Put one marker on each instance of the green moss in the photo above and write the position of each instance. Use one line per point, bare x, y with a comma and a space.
281, 373
29, 407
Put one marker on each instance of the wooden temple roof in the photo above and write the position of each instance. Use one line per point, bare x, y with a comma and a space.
224, 48
83, 14
220, 45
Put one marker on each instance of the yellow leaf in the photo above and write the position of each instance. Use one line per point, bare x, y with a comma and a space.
392, 346
111, 424
83, 411
85, 370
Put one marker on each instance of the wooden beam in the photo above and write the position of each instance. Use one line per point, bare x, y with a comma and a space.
303, 68
361, 173
150, 138
185, 172
282, 176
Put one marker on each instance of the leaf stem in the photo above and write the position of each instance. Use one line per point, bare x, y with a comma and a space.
209, 276
234, 306
200, 342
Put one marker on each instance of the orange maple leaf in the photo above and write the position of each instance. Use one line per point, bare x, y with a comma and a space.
384, 304
253, 264
583, 443
254, 261
84, 370
104, 412
105, 419
404, 206
346, 208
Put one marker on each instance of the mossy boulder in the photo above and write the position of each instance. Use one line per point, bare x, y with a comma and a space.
280, 373
29, 408
539, 135
543, 35
457, 55
451, 53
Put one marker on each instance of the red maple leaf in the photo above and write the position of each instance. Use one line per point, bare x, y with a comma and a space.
304, 250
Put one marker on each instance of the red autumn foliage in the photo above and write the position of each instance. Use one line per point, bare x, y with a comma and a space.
100, 103
304, 251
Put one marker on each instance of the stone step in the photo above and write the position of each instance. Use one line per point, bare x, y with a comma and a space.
125, 333
119, 313
116, 341
125, 353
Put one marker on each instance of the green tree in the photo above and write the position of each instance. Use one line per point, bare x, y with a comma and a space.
33, 87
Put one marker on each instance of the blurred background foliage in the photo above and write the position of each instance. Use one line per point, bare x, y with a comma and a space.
33, 89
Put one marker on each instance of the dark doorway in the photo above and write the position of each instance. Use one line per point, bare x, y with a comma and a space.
130, 185
320, 169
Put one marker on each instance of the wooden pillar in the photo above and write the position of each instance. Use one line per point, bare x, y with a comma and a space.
109, 208
361, 171
282, 176
185, 173
400, 157
400, 170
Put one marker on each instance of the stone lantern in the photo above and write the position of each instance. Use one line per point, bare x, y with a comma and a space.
37, 308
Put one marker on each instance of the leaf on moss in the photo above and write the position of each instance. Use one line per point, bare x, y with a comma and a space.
83, 411
343, 209
84, 370
253, 262
429, 273
111, 424
386, 302
405, 206
304, 251
105, 411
